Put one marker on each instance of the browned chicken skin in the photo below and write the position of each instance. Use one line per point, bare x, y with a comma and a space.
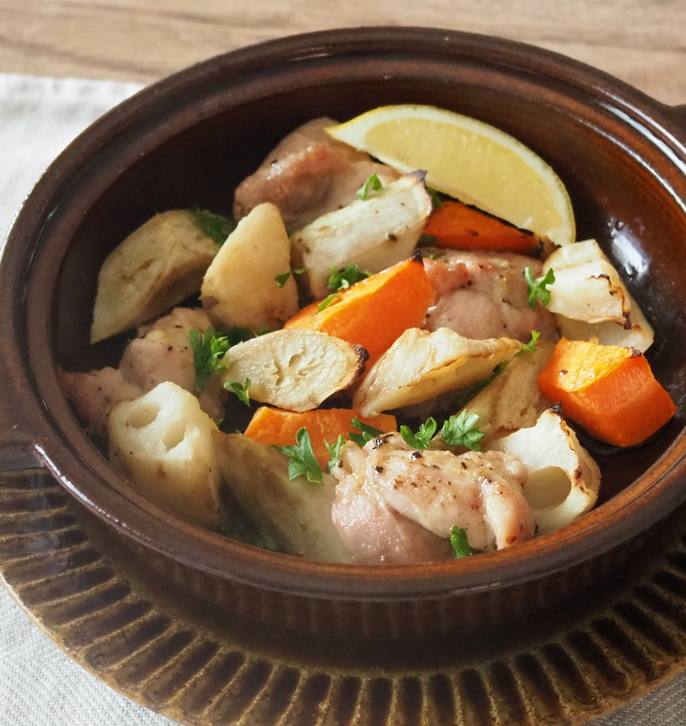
307, 175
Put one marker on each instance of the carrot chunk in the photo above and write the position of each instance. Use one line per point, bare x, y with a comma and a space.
325, 425
375, 311
608, 390
455, 224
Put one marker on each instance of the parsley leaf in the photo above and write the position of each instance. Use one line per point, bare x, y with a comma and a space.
532, 344
427, 240
326, 302
462, 430
340, 279
215, 226
371, 188
422, 439
281, 278
208, 350
240, 389
436, 201
301, 458
459, 542
367, 432
334, 452
538, 289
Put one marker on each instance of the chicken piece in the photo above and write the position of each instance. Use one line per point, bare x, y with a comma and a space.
388, 486
307, 175
94, 394
163, 352
481, 295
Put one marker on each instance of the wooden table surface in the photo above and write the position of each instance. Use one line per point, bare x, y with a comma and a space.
640, 41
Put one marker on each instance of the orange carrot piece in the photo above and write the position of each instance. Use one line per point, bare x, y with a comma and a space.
455, 224
325, 425
609, 391
375, 311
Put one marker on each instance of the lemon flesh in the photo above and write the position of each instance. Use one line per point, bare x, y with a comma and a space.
469, 160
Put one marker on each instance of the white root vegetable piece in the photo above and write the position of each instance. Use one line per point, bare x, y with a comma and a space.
239, 286
294, 369
512, 400
373, 233
563, 479
156, 267
422, 364
296, 514
592, 301
162, 442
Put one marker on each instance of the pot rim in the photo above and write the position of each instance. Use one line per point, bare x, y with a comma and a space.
50, 430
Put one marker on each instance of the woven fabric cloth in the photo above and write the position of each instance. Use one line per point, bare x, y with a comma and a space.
40, 685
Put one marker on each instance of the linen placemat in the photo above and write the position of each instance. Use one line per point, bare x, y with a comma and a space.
40, 685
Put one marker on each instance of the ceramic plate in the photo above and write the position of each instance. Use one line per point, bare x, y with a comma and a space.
177, 656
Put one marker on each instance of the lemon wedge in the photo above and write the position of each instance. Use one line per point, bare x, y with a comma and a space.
467, 159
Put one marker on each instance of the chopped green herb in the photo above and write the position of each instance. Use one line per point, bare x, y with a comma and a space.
371, 188
215, 226
301, 459
427, 240
326, 302
281, 279
532, 344
340, 279
242, 390
538, 289
459, 542
247, 533
367, 432
436, 201
422, 439
334, 452
462, 430
208, 350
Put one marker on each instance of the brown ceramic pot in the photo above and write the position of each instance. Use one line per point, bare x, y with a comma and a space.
188, 140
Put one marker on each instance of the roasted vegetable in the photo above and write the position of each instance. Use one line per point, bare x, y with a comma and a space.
294, 369
325, 425
455, 224
156, 267
239, 287
610, 391
562, 478
512, 400
421, 365
296, 514
375, 311
162, 442
374, 233
591, 299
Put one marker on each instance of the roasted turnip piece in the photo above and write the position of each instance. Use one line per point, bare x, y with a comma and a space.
295, 514
372, 233
421, 365
512, 400
156, 267
484, 295
591, 301
563, 479
239, 287
388, 483
294, 369
94, 394
307, 175
162, 442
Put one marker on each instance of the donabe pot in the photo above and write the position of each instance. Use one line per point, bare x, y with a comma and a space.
189, 140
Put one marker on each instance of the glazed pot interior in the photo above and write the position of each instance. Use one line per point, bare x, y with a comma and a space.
191, 140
